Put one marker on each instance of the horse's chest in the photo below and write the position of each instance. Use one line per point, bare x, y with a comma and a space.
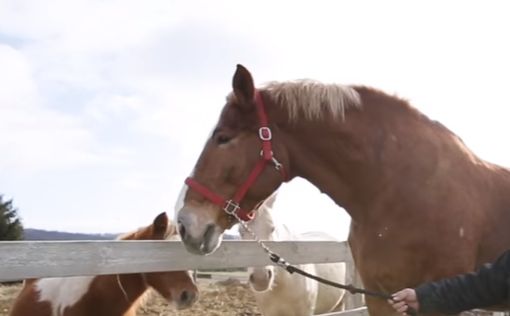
371, 242
378, 256
284, 307
289, 297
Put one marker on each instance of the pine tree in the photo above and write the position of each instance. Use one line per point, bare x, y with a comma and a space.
11, 227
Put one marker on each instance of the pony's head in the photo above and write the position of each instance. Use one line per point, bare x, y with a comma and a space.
261, 278
242, 163
175, 286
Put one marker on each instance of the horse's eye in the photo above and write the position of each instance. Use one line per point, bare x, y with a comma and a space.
222, 139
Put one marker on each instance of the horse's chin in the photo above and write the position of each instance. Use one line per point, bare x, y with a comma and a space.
206, 247
181, 306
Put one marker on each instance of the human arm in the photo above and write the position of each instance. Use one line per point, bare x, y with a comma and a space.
486, 287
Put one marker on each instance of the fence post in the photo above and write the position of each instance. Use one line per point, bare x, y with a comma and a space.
353, 301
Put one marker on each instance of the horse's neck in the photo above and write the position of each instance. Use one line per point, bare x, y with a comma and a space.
282, 232
381, 147
135, 287
123, 291
335, 162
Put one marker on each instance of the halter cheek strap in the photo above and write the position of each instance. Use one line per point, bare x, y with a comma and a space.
232, 206
123, 290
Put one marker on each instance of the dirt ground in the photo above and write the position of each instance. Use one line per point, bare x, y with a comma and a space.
216, 298
228, 297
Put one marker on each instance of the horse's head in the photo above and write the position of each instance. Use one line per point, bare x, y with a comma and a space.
261, 278
241, 164
175, 286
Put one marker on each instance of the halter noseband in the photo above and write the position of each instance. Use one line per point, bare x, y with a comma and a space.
232, 206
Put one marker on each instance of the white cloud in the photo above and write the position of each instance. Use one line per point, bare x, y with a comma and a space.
86, 26
35, 137
129, 90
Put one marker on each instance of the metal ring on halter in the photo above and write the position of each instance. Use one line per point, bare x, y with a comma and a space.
231, 207
262, 153
265, 133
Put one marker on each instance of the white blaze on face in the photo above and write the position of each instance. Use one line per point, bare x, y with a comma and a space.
180, 201
184, 190
62, 292
201, 233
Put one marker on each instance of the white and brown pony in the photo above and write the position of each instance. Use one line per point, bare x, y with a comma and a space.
107, 295
279, 293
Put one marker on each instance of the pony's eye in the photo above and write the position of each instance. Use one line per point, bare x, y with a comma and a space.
222, 139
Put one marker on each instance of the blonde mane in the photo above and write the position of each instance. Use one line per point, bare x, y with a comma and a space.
313, 99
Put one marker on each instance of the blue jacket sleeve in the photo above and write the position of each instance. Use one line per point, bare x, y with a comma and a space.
486, 287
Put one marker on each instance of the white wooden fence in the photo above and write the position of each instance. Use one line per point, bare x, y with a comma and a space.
36, 259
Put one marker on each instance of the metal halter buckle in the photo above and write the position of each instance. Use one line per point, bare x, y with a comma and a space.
265, 133
231, 207
277, 165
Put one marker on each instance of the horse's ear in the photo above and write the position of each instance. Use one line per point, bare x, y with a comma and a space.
243, 86
160, 223
269, 202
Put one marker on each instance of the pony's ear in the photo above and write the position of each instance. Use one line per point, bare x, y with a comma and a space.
160, 224
243, 86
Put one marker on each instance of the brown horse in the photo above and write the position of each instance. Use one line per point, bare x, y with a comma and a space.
422, 205
107, 295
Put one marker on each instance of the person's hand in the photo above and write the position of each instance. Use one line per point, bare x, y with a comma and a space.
404, 299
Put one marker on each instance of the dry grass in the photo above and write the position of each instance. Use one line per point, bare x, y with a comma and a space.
216, 298
7, 295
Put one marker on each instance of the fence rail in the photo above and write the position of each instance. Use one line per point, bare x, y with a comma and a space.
35, 259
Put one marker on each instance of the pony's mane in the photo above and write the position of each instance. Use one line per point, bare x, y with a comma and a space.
312, 99
130, 235
134, 235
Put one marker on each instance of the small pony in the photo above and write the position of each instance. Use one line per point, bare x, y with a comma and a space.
279, 293
107, 295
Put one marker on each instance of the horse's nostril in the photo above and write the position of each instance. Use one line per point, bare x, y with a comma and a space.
187, 297
182, 229
251, 278
269, 274
184, 296
209, 232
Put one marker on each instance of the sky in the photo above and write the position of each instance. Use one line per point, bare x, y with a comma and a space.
105, 105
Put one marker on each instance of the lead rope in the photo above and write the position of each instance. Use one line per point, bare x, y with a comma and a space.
282, 263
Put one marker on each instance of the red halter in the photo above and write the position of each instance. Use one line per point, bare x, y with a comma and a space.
232, 206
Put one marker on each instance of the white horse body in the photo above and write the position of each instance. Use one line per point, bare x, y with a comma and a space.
279, 293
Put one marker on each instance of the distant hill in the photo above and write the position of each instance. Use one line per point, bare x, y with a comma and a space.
40, 234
